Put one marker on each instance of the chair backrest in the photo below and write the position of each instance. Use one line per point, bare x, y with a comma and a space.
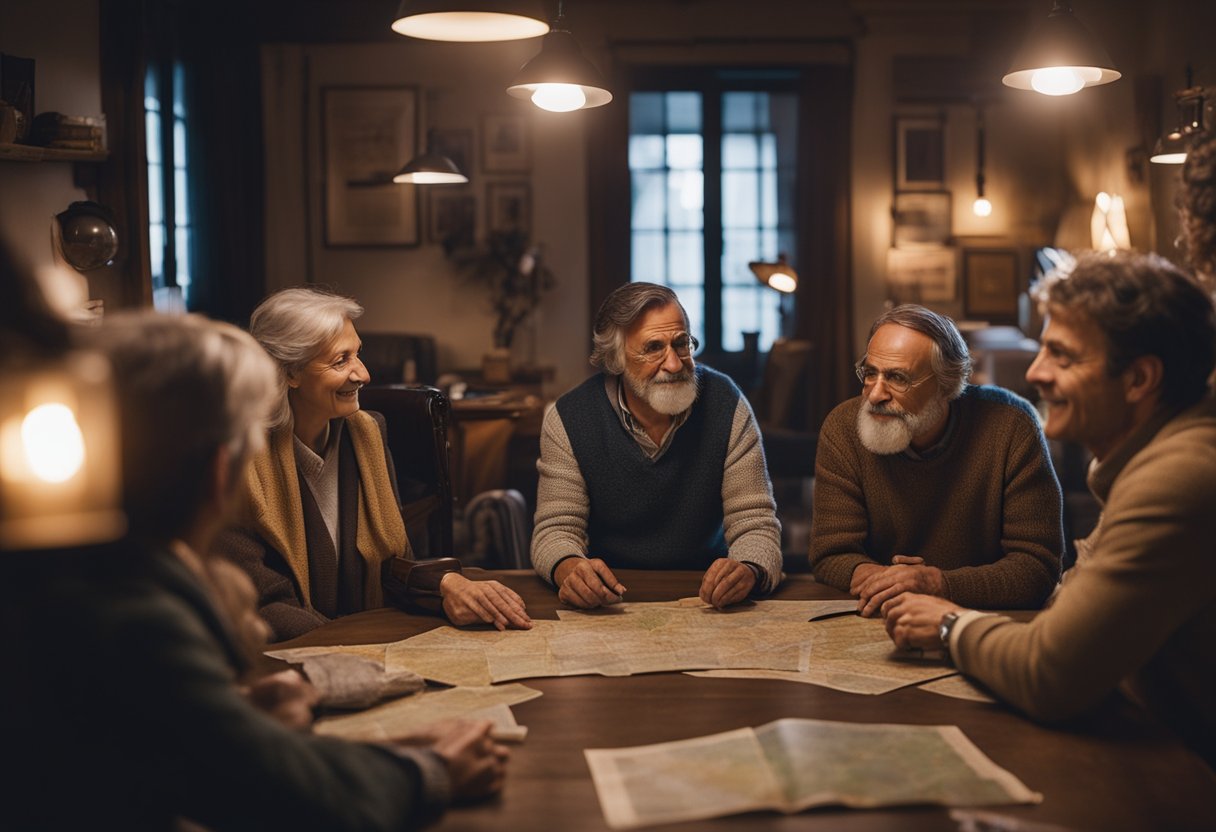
399, 358
418, 420
500, 530
782, 398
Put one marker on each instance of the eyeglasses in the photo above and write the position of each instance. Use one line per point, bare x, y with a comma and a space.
896, 380
654, 350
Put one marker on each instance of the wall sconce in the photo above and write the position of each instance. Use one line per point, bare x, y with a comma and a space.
1108, 224
1171, 148
780, 276
470, 21
1060, 57
430, 168
560, 78
981, 207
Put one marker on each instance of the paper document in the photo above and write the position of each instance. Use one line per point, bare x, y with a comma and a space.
414, 713
794, 764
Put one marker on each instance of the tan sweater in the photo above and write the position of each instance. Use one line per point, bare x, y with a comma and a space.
986, 508
1141, 609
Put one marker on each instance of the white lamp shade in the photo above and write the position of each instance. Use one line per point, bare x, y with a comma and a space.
470, 21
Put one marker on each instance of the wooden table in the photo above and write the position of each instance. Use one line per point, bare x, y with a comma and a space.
1115, 769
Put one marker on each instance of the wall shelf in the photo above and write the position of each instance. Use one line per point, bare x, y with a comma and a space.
29, 153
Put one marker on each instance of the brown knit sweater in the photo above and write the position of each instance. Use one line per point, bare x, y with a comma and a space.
985, 508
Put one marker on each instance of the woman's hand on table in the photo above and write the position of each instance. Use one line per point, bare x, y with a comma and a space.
478, 602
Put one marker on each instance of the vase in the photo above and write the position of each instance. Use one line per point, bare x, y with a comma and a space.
496, 366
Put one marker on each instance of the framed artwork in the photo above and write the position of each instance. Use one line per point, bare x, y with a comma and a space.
368, 133
920, 154
927, 275
506, 146
991, 284
921, 219
509, 207
457, 145
453, 218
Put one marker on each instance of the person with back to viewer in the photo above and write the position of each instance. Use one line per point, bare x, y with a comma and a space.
123, 663
925, 483
1127, 349
653, 463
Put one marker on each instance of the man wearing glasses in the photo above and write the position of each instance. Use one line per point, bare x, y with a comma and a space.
925, 483
653, 463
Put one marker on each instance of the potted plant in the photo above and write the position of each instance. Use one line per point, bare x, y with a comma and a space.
513, 270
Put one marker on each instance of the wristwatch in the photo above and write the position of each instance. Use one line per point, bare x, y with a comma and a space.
944, 628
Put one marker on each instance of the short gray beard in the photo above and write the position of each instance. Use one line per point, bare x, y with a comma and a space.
668, 393
895, 436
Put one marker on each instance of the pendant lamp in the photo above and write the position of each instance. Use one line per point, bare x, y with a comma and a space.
982, 207
471, 21
1171, 148
430, 168
560, 78
1061, 57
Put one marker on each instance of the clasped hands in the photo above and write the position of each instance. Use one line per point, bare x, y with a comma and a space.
587, 583
874, 585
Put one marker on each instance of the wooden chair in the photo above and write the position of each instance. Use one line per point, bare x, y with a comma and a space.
418, 420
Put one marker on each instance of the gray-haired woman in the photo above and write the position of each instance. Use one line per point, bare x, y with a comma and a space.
322, 535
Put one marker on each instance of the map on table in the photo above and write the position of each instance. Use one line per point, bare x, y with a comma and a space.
770, 639
411, 714
794, 764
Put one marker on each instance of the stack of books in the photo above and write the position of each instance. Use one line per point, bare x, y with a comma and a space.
69, 132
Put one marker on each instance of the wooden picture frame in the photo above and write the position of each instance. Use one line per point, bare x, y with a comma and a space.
367, 134
920, 153
509, 207
453, 218
506, 144
922, 275
921, 219
991, 284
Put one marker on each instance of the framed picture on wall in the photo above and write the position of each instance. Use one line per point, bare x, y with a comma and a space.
509, 207
453, 219
991, 284
920, 153
921, 218
367, 134
506, 146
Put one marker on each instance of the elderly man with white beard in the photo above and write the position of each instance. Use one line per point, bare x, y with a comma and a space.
653, 463
925, 483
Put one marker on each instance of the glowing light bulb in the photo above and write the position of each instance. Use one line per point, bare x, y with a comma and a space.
1057, 80
982, 207
559, 98
782, 282
53, 443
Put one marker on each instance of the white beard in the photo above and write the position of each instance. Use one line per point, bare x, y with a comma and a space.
893, 436
668, 393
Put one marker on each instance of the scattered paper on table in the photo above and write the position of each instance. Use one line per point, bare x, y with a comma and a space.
959, 687
414, 713
794, 764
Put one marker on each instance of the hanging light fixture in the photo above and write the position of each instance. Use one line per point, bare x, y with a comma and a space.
560, 78
1060, 57
470, 21
430, 168
1171, 148
981, 207
780, 275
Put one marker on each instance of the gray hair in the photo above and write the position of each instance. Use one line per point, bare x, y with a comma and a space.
950, 359
187, 386
619, 311
293, 325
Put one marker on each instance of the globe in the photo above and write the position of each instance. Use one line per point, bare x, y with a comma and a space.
88, 239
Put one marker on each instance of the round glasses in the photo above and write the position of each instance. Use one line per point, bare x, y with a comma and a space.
654, 350
896, 380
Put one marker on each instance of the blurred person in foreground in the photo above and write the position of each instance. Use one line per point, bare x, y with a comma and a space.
1127, 349
653, 463
321, 534
129, 679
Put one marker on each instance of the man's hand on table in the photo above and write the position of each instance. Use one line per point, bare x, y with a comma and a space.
727, 582
874, 584
913, 620
286, 696
587, 583
476, 764
477, 602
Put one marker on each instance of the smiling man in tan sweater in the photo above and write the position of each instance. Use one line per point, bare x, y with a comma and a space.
1127, 350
